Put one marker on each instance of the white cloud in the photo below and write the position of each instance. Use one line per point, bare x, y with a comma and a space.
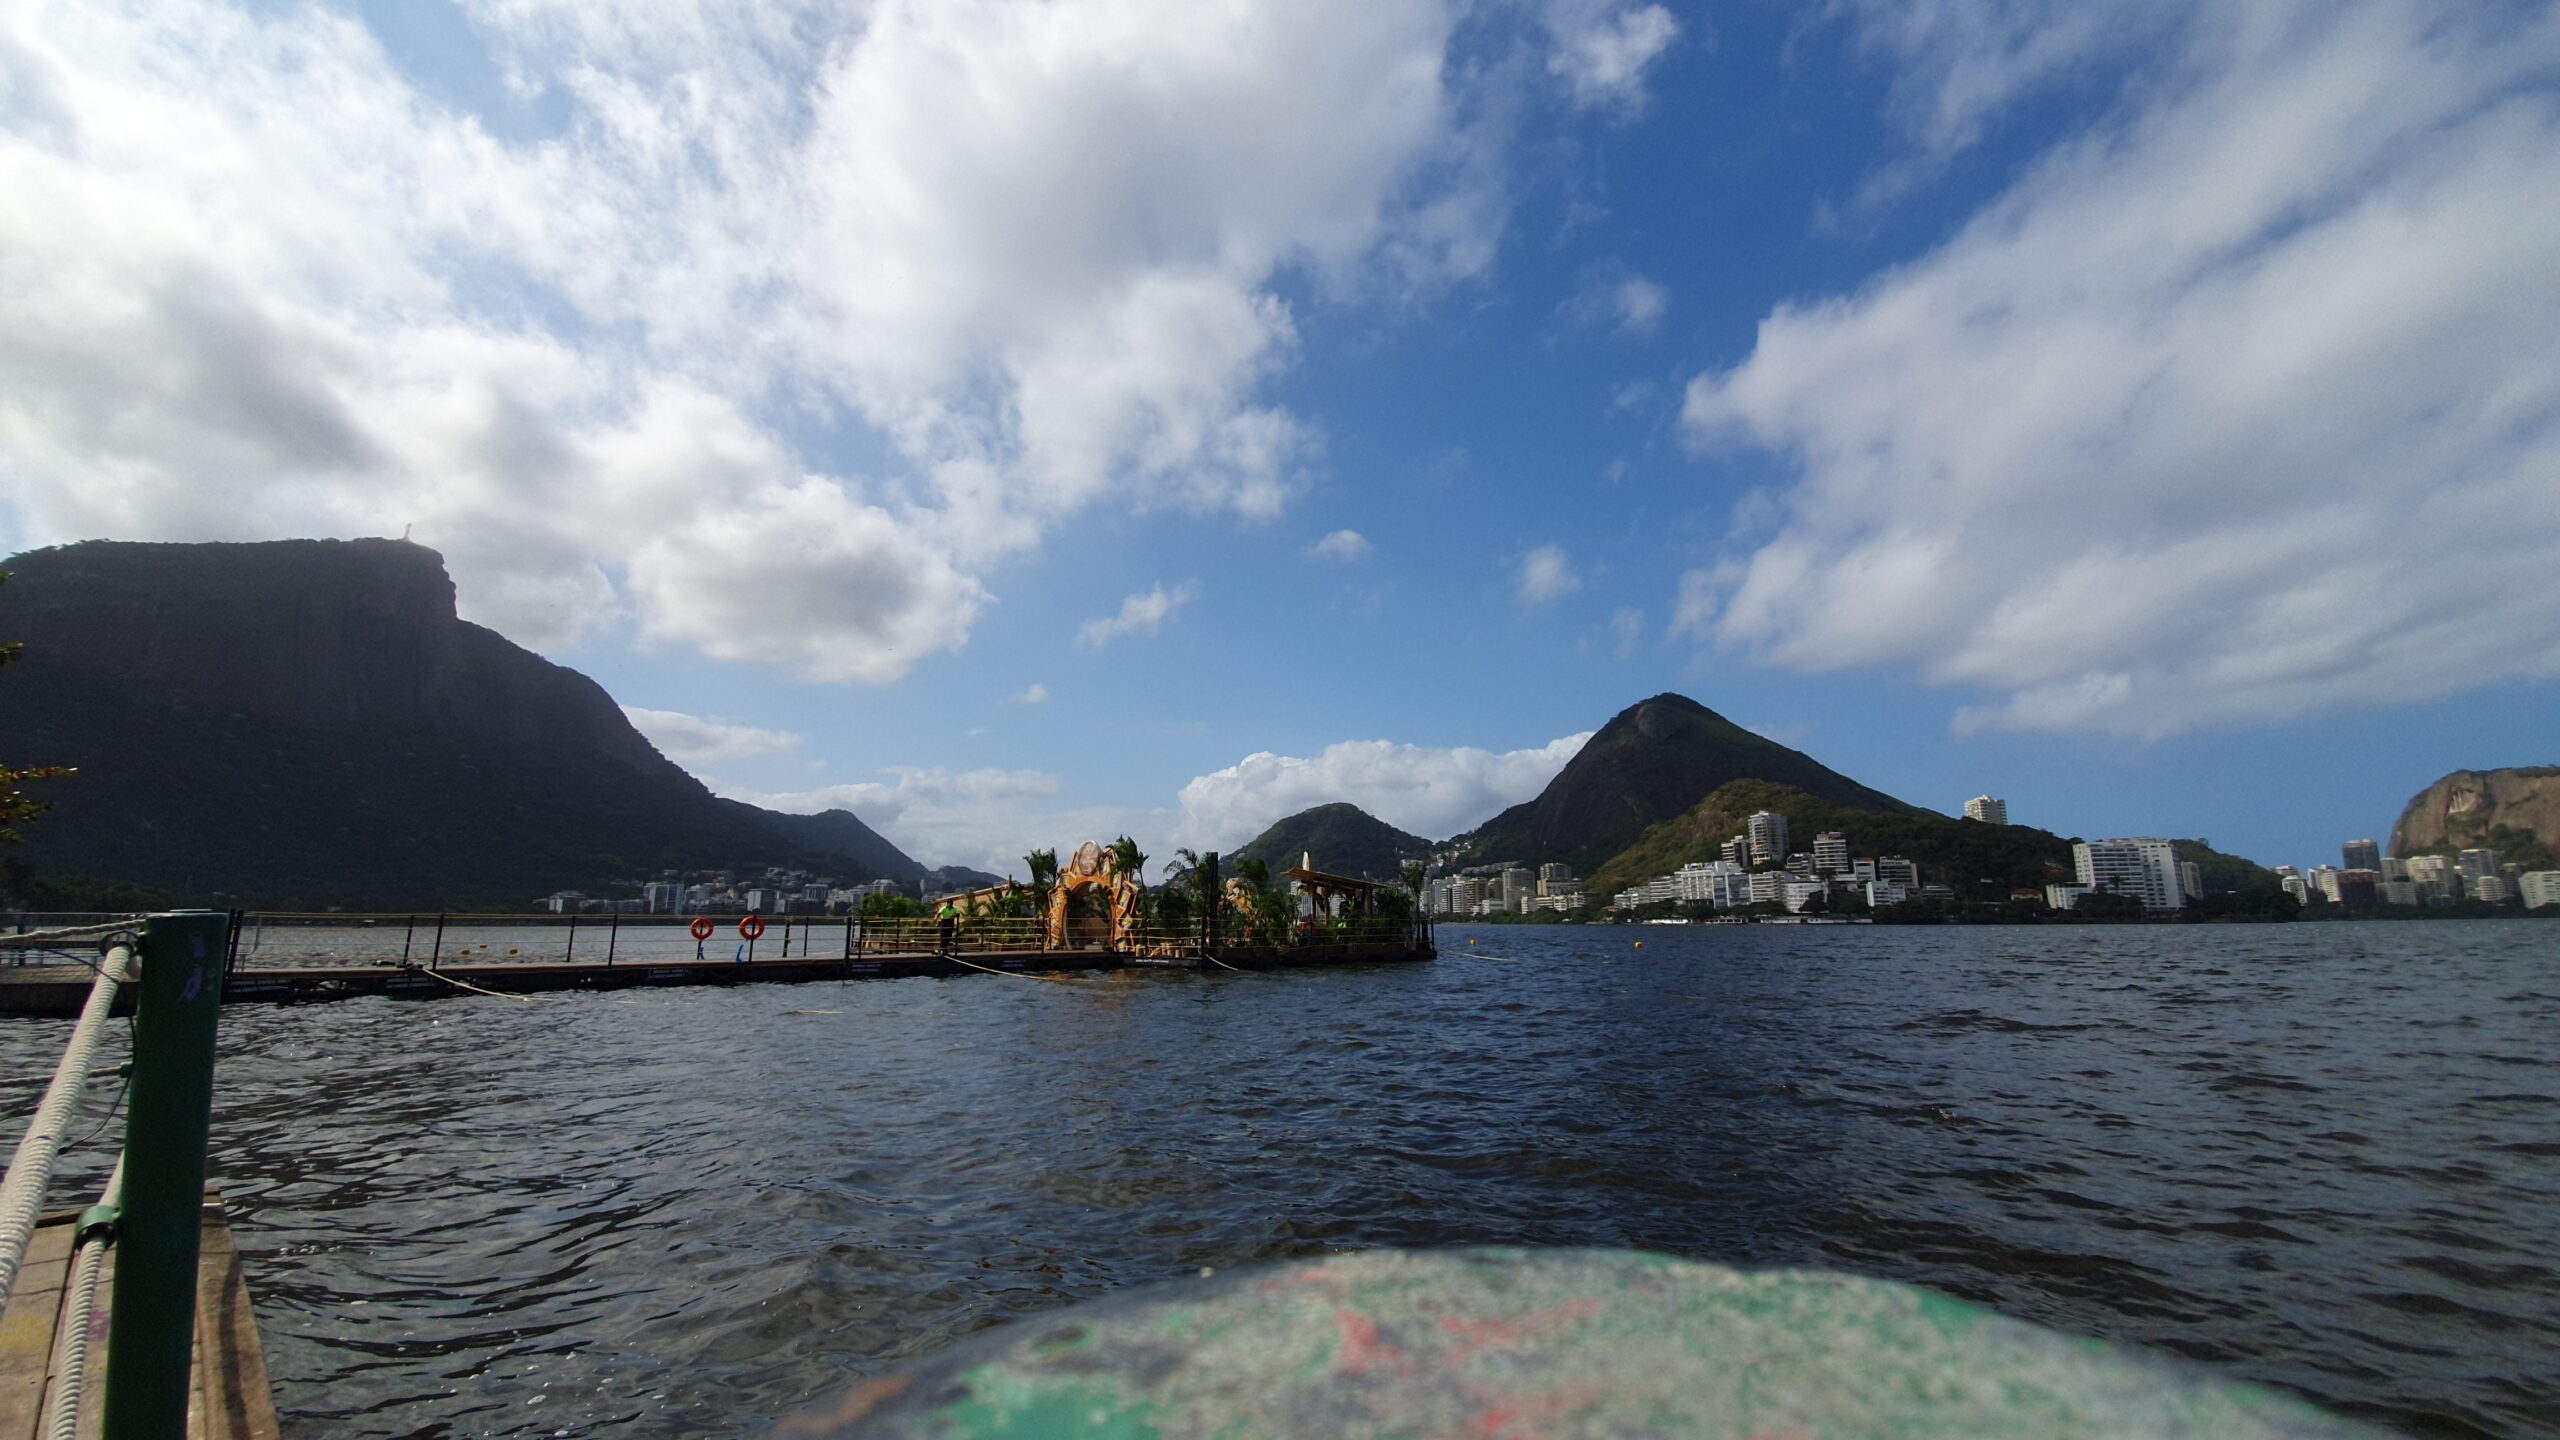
264, 282
1342, 547
1038, 694
1601, 49
1544, 576
989, 818
1959, 62
1144, 613
1628, 626
1431, 791
1625, 304
2242, 407
697, 740
983, 818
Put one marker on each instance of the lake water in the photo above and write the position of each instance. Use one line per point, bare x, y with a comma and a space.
2321, 1156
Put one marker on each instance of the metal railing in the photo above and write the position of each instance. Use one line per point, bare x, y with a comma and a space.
151, 1210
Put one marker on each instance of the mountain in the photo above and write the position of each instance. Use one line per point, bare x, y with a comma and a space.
1344, 839
308, 722
1964, 853
952, 879
839, 832
1977, 860
2515, 812
1650, 763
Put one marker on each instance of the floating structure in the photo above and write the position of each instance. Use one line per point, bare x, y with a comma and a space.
1090, 917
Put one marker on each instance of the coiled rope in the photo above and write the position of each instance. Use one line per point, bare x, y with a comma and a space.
31, 1167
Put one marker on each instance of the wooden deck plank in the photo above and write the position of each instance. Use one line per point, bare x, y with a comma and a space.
230, 1398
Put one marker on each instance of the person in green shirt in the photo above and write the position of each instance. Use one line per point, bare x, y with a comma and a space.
949, 915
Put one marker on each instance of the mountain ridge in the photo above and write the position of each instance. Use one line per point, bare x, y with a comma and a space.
1650, 763
2513, 809
1343, 839
310, 722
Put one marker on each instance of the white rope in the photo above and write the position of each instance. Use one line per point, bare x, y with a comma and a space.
22, 1194
79, 1301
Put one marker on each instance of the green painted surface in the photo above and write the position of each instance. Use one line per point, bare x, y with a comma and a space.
1566, 1343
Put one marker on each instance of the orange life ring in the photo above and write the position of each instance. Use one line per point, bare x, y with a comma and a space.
702, 927
751, 927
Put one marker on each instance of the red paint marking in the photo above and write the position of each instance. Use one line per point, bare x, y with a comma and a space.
1520, 1417
1361, 1347
1474, 1337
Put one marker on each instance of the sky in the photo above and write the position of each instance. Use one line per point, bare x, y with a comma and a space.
1027, 422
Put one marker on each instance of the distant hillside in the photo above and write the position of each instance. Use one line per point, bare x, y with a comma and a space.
1343, 838
1967, 855
952, 879
2515, 812
307, 722
1651, 763
840, 832
1958, 852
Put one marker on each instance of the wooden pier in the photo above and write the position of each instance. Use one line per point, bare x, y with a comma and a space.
58, 990
229, 1397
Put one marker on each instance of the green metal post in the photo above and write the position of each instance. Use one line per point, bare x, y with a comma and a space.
151, 1327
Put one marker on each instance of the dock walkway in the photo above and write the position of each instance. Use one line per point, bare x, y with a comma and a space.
59, 990
229, 1397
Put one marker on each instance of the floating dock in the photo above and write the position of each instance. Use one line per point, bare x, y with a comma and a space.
229, 1397
57, 991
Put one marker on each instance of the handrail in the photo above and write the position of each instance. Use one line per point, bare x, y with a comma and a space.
31, 1165
70, 1393
46, 939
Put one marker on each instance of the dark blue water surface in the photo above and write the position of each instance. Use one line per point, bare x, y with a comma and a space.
2321, 1156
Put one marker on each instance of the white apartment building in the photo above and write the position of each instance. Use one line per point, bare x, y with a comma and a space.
2434, 876
1720, 883
2539, 888
663, 896
1830, 853
1894, 870
2063, 897
1987, 810
2142, 867
2191, 880
1768, 835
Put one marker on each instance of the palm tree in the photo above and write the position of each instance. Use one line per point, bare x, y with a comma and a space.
1129, 860
1415, 875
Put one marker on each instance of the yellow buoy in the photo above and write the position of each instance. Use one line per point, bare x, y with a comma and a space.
1639, 944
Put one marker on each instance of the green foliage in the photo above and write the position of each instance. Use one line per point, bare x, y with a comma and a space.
1343, 839
2222, 873
15, 805
1650, 763
1974, 858
891, 906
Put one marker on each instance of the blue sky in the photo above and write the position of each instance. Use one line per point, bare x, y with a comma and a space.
1021, 423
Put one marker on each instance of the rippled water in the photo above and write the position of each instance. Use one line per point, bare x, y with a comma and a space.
2323, 1156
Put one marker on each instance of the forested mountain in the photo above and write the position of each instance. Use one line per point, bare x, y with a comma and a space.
1343, 838
1650, 763
308, 722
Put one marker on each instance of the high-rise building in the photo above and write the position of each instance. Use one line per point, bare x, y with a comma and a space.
2492, 888
2538, 888
1830, 852
2435, 877
1987, 810
1720, 883
2142, 867
1738, 850
2362, 855
2476, 866
663, 896
1555, 870
1768, 832
2191, 880
1894, 870
1518, 883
